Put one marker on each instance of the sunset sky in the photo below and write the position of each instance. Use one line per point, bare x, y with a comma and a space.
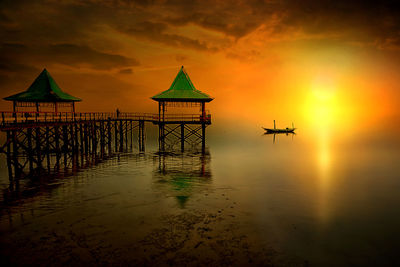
304, 61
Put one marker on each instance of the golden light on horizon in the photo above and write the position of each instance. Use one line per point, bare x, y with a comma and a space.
328, 105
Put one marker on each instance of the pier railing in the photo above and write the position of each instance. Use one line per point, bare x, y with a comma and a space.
22, 117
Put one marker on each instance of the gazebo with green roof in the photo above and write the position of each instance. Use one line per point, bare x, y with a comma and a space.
181, 93
43, 92
181, 90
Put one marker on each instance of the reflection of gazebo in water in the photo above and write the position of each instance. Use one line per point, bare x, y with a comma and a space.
182, 176
182, 93
43, 92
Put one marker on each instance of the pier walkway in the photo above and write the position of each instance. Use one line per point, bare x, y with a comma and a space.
14, 120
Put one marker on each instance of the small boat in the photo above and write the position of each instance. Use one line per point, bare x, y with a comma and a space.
275, 130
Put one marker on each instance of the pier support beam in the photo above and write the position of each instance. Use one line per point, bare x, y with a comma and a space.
8, 155
121, 136
38, 150
203, 137
116, 135
173, 134
57, 145
182, 137
141, 136
102, 143
109, 139
30, 149
131, 125
47, 137
15, 155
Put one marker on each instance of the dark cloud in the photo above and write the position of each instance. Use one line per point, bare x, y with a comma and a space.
71, 54
67, 54
126, 71
45, 22
233, 18
361, 21
366, 22
156, 31
244, 56
16, 67
64, 28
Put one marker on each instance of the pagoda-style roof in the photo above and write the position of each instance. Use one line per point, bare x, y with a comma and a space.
43, 89
182, 90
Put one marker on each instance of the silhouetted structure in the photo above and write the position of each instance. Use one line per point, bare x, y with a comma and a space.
40, 141
182, 93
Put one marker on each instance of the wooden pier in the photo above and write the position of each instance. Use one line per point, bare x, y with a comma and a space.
40, 141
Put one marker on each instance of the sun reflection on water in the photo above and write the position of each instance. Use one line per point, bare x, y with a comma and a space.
324, 174
322, 111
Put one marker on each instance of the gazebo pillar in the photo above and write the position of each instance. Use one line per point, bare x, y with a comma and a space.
203, 111
161, 126
203, 137
159, 112
163, 110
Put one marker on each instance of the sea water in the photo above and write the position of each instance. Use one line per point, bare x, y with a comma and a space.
250, 199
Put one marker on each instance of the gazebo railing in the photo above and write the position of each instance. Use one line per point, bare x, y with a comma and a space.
22, 117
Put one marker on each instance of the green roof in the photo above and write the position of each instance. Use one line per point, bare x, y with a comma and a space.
43, 89
182, 89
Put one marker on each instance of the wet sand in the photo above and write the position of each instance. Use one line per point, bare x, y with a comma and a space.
188, 238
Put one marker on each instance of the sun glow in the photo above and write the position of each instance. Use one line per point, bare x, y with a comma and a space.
322, 106
329, 106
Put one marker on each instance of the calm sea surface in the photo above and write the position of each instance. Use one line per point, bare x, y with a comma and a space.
307, 199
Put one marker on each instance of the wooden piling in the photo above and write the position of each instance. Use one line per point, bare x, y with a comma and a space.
121, 136
30, 149
126, 135
203, 137
15, 155
116, 135
65, 144
143, 137
182, 137
76, 136
57, 144
94, 138
131, 124
47, 136
85, 138
81, 143
38, 150
109, 139
8, 155
102, 138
